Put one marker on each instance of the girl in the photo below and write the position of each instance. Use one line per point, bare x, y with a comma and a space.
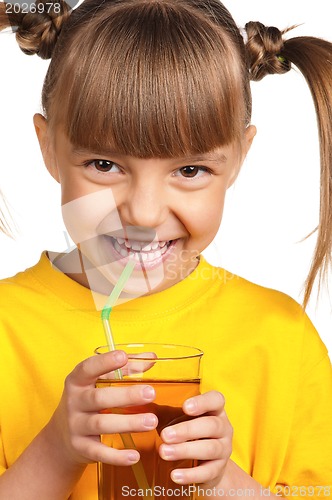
146, 124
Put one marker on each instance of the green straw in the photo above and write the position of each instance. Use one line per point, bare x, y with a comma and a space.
105, 313
116, 292
127, 439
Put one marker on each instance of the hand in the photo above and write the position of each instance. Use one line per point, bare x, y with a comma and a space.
207, 438
78, 422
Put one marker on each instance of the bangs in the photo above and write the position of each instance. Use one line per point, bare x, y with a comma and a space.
154, 80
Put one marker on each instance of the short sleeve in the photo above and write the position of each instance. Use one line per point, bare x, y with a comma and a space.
3, 465
307, 469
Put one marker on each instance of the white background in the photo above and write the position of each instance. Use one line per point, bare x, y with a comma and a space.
272, 207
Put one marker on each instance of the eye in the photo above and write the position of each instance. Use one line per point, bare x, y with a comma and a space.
192, 171
103, 166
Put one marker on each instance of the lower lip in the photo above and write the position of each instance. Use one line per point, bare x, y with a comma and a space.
148, 265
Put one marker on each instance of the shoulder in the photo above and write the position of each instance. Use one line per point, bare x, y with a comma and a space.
243, 294
25, 283
265, 315
22, 276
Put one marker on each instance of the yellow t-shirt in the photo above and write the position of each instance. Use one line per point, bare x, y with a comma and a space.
261, 352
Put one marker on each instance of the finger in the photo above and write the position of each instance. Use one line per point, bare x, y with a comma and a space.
204, 449
135, 365
87, 372
94, 451
211, 402
198, 428
115, 423
203, 473
103, 398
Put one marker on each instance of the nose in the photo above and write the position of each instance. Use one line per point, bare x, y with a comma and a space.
145, 205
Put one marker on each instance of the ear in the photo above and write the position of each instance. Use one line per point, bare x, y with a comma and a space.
249, 136
46, 147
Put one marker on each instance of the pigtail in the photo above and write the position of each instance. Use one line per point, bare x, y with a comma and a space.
36, 31
9, 20
268, 53
313, 57
263, 46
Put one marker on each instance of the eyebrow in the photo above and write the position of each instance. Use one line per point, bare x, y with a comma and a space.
212, 156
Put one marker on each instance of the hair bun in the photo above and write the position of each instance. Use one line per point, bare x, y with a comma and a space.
37, 32
264, 51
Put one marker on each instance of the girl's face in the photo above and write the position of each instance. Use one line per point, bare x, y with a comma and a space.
161, 212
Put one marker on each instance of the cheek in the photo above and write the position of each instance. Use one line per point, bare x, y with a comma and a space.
205, 218
91, 215
73, 186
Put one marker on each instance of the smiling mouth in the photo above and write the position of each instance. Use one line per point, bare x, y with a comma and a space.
141, 251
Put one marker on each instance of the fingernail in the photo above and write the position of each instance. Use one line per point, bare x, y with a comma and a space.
150, 421
190, 405
133, 457
148, 392
169, 434
119, 356
177, 477
168, 451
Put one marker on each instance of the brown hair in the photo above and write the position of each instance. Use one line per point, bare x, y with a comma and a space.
36, 33
152, 78
269, 53
162, 78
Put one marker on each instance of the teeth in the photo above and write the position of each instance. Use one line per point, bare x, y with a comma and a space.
140, 251
124, 252
163, 250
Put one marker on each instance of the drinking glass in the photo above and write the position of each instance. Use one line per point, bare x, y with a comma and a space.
174, 372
